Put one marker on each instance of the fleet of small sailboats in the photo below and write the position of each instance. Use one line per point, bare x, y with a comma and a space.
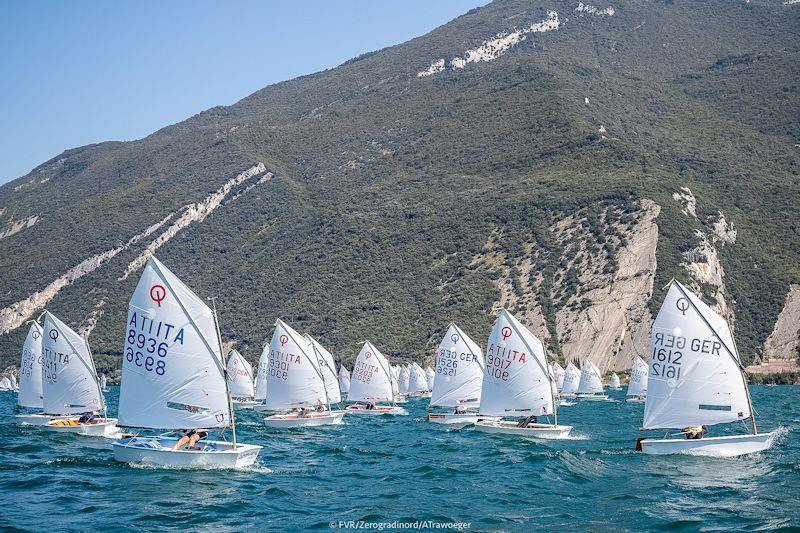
696, 380
175, 378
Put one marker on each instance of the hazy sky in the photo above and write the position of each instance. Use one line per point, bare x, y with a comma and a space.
79, 72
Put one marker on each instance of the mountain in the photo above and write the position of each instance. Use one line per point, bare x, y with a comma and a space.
561, 159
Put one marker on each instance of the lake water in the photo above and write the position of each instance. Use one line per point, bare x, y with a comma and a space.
386, 469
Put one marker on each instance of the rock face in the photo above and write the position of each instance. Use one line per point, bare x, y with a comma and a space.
784, 341
601, 295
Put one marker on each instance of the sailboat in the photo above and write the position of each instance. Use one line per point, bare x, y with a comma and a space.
637, 386
614, 384
372, 382
5, 384
417, 383
328, 367
261, 381
696, 379
240, 380
558, 375
30, 378
296, 382
460, 367
344, 381
430, 377
70, 385
517, 382
173, 377
572, 378
103, 383
591, 384
403, 378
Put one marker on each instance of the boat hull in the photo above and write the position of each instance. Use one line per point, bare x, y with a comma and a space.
591, 397
729, 446
311, 420
534, 431
462, 419
134, 450
38, 419
378, 410
107, 428
635, 400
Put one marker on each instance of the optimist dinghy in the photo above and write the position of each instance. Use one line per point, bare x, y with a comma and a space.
297, 381
459, 369
30, 379
71, 395
371, 382
572, 378
591, 384
417, 383
261, 381
103, 383
240, 381
614, 384
344, 381
696, 379
174, 377
430, 376
637, 386
517, 382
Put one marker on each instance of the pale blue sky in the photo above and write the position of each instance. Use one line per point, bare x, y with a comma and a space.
79, 72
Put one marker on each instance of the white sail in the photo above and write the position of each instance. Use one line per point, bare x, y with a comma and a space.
103, 381
261, 376
558, 375
14, 384
5, 383
694, 374
173, 375
591, 381
430, 376
371, 379
416, 379
459, 370
572, 377
69, 379
328, 367
294, 378
614, 383
240, 376
637, 386
516, 378
403, 380
30, 369
344, 380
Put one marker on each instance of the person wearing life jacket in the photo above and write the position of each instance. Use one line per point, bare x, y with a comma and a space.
87, 418
525, 422
695, 432
190, 438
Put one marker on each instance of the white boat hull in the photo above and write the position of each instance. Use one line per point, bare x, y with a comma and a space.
378, 410
458, 419
591, 397
249, 404
107, 428
291, 420
635, 400
730, 446
38, 419
564, 403
134, 450
534, 431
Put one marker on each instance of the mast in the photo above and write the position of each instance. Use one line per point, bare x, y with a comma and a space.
733, 356
213, 300
96, 378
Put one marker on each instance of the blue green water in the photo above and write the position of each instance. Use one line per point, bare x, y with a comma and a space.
384, 469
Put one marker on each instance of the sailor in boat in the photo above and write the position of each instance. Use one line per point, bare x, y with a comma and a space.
370, 406
190, 438
302, 413
695, 432
527, 421
459, 410
319, 407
